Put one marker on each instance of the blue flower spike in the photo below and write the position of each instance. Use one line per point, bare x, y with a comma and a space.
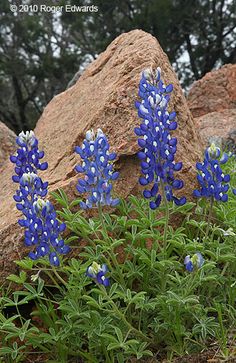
28, 156
42, 229
214, 184
158, 146
97, 167
98, 272
194, 263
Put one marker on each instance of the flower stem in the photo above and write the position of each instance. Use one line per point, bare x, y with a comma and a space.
52, 278
101, 218
166, 219
59, 277
209, 217
111, 254
122, 317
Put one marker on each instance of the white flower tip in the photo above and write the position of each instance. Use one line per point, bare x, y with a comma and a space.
39, 204
99, 133
28, 137
28, 177
158, 72
187, 259
147, 73
90, 135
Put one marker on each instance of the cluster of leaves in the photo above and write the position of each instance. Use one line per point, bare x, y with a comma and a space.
153, 305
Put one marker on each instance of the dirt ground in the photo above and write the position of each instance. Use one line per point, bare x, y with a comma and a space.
205, 357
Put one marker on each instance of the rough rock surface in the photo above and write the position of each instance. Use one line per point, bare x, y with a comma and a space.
217, 125
216, 91
103, 97
212, 101
229, 142
7, 143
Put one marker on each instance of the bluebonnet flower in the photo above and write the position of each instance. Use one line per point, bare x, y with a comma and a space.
42, 228
98, 272
30, 188
213, 182
159, 147
97, 166
28, 156
193, 263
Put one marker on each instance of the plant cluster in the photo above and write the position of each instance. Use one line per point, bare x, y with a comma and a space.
133, 286
40, 220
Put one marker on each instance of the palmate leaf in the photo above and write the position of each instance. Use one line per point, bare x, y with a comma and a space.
92, 302
25, 263
5, 351
18, 279
173, 298
206, 326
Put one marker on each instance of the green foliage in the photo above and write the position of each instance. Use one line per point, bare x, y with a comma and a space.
152, 304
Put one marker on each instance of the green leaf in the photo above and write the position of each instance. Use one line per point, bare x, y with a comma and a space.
75, 203
61, 197
109, 338
18, 279
26, 263
23, 330
91, 301
113, 289
153, 257
5, 350
113, 346
40, 285
119, 334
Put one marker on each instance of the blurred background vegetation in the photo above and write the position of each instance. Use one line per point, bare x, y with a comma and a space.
41, 52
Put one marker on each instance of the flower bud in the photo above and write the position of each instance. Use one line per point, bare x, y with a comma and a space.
90, 135
147, 73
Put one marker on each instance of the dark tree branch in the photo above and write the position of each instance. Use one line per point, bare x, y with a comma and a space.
20, 101
31, 95
10, 120
229, 31
191, 56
